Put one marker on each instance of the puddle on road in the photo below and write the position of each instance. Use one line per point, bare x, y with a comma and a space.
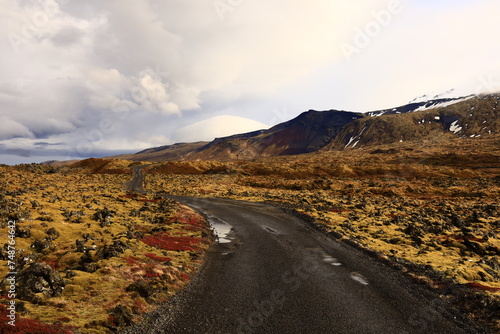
221, 230
331, 260
270, 230
359, 278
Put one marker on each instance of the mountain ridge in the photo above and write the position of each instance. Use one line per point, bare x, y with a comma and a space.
468, 118
314, 131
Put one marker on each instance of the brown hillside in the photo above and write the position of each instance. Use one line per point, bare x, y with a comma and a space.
164, 153
477, 117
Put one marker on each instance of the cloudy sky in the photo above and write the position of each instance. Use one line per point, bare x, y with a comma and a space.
102, 77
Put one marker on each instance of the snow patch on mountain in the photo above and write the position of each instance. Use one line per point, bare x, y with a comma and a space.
455, 127
357, 138
431, 105
435, 96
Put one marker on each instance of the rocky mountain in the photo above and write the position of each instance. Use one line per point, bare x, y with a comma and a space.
308, 132
439, 119
470, 117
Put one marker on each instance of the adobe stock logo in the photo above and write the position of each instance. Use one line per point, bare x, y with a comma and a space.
223, 6
372, 29
487, 84
34, 25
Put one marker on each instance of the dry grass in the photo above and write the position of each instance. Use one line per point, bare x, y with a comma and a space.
86, 204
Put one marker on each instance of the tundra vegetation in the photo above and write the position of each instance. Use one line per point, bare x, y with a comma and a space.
90, 256
432, 214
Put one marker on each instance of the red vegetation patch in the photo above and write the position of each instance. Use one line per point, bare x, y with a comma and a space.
164, 241
193, 223
192, 228
98, 166
206, 192
150, 273
482, 287
51, 262
338, 210
138, 265
92, 163
157, 258
133, 261
394, 216
28, 326
140, 306
188, 218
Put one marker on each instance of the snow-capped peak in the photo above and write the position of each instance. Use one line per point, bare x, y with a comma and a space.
452, 93
441, 103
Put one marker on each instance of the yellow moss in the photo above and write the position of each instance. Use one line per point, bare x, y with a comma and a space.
88, 298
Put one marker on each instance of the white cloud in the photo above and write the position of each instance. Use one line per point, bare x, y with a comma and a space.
216, 127
12, 129
151, 66
146, 141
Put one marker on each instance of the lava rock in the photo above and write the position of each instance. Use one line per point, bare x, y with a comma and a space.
122, 316
457, 221
87, 263
39, 278
23, 233
493, 250
90, 267
40, 245
475, 247
114, 250
70, 274
53, 233
80, 245
103, 215
105, 223
142, 288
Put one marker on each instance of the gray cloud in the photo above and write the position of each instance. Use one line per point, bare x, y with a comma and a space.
67, 37
89, 77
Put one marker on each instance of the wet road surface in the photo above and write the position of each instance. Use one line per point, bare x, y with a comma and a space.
271, 273
136, 183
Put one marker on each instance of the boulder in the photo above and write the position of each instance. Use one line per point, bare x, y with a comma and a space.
53, 233
113, 250
87, 263
475, 247
121, 316
103, 215
142, 288
23, 233
40, 245
39, 278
